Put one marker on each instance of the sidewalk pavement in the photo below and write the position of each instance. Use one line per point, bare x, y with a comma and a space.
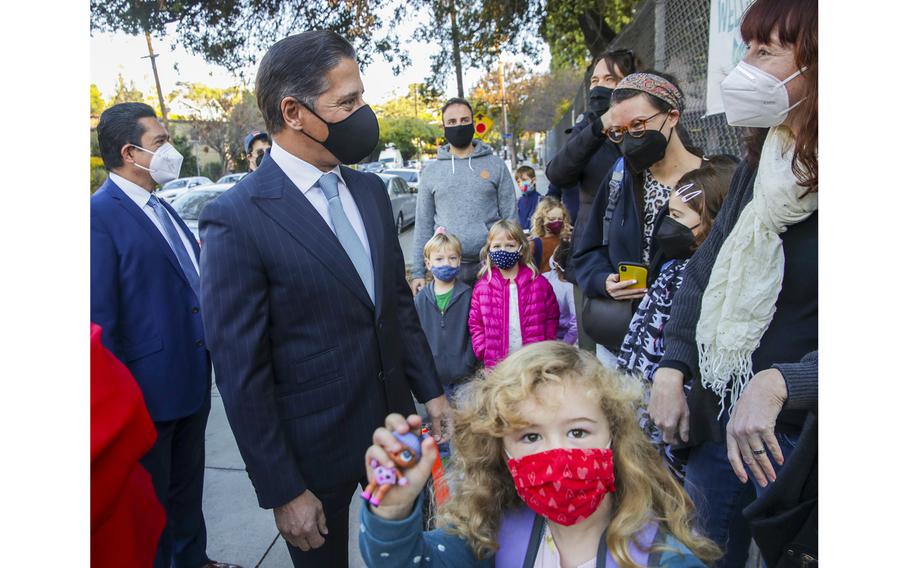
238, 530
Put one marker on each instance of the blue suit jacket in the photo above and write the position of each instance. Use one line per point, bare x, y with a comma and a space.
306, 366
149, 314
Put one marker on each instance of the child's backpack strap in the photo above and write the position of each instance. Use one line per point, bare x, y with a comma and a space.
660, 539
615, 186
537, 250
514, 535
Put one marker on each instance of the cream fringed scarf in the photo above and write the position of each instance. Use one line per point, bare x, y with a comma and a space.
738, 303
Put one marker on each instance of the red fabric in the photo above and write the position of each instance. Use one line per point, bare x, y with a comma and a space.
564, 485
489, 317
127, 518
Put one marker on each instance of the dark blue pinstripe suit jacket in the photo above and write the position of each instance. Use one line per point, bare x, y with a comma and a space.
306, 366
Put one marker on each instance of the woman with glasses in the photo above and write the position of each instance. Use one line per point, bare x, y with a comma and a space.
643, 121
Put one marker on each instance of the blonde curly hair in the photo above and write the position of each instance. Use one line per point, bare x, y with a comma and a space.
539, 219
483, 489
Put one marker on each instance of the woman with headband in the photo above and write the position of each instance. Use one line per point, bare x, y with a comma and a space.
744, 329
643, 121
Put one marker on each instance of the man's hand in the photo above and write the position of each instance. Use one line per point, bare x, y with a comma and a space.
398, 503
441, 418
417, 284
621, 291
302, 521
667, 407
751, 427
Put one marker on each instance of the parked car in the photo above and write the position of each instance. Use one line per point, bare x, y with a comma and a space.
391, 157
410, 176
371, 167
403, 198
173, 188
232, 178
190, 204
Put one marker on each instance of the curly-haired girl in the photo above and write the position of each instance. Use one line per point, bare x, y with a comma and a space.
550, 469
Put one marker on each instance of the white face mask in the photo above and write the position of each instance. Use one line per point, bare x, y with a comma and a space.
165, 164
753, 97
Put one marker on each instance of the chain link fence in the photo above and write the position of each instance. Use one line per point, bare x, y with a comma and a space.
669, 36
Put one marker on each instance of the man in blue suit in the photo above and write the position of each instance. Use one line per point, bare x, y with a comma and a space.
145, 297
309, 317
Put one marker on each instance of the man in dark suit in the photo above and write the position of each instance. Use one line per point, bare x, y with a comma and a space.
145, 297
309, 317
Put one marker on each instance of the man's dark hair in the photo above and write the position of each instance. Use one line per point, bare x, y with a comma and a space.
297, 67
457, 101
119, 125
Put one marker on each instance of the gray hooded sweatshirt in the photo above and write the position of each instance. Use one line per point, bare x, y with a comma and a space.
464, 195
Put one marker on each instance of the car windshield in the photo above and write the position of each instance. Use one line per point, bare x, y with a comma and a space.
189, 205
230, 178
408, 176
177, 183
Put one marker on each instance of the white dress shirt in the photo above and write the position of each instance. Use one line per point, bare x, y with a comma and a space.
305, 175
141, 197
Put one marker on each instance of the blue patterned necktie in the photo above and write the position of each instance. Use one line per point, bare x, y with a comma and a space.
346, 234
176, 243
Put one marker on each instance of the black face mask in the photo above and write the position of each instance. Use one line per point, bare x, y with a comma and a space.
259, 157
675, 239
599, 100
352, 139
460, 136
642, 153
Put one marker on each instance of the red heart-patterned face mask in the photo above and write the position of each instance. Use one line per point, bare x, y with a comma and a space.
564, 485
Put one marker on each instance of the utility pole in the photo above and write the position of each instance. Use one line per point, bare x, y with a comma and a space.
151, 56
506, 142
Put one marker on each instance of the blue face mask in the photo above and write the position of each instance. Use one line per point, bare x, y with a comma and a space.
445, 273
505, 259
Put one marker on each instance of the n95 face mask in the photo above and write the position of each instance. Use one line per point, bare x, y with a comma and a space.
755, 98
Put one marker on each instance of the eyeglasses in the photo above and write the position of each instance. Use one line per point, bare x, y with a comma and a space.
636, 129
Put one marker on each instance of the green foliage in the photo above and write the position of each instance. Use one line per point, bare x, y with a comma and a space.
124, 93
95, 101
97, 173
219, 119
578, 30
185, 147
404, 132
231, 32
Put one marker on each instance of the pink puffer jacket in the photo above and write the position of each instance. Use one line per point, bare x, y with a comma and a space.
489, 318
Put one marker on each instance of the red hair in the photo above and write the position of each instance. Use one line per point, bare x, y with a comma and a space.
796, 24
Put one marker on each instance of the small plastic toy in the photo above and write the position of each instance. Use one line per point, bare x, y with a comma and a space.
384, 478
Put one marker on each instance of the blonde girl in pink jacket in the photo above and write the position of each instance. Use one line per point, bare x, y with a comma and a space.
511, 305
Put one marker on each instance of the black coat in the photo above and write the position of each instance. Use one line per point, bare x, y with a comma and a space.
307, 366
579, 168
448, 334
784, 520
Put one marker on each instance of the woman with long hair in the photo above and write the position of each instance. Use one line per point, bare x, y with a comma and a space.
744, 327
549, 463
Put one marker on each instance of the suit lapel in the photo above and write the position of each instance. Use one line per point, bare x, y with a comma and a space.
280, 199
369, 212
143, 221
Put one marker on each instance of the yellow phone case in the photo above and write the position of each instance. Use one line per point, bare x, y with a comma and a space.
634, 271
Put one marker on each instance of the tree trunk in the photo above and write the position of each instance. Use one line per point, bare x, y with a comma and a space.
597, 33
456, 48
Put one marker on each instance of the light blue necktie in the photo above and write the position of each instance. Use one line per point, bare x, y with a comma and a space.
173, 239
346, 234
